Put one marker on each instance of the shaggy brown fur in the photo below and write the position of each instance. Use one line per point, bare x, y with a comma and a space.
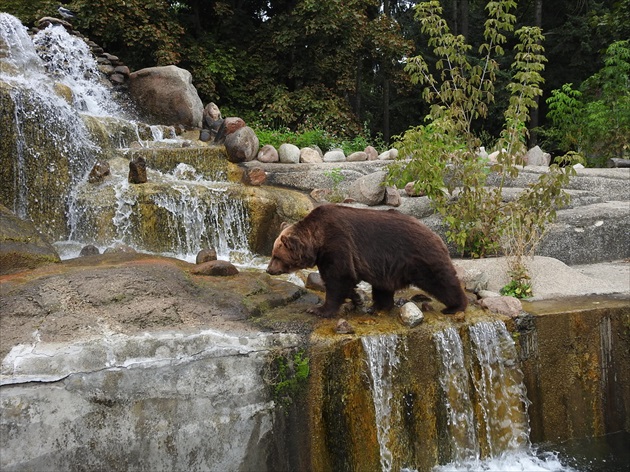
387, 249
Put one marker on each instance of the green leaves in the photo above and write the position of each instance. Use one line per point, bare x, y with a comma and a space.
442, 155
595, 120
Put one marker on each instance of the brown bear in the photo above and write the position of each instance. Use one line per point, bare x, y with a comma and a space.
387, 249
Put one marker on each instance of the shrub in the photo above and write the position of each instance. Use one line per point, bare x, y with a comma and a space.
305, 137
441, 156
596, 119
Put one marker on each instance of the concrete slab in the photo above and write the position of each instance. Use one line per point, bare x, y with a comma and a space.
552, 278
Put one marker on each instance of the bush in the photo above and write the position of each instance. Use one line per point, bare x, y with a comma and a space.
315, 136
595, 120
443, 153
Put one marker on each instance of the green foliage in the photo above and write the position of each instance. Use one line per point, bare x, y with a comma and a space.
595, 120
607, 105
358, 142
334, 65
278, 136
321, 138
336, 177
148, 32
565, 112
443, 153
517, 289
286, 375
29, 11
312, 106
519, 285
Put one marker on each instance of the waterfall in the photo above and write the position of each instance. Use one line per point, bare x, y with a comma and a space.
499, 388
196, 222
125, 201
455, 385
52, 143
486, 403
16, 48
69, 60
60, 105
382, 361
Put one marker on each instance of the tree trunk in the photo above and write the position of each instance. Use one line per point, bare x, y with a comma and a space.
535, 115
357, 93
463, 30
455, 22
386, 109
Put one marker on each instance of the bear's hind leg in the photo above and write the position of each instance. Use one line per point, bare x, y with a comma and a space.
446, 288
382, 300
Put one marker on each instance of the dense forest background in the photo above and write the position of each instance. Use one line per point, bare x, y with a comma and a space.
329, 64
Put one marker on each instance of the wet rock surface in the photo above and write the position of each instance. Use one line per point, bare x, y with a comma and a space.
21, 245
131, 347
95, 296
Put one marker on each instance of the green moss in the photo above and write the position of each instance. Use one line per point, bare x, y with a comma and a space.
211, 162
286, 375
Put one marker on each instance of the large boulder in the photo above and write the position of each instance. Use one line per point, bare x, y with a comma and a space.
167, 95
242, 145
536, 157
289, 153
21, 246
369, 189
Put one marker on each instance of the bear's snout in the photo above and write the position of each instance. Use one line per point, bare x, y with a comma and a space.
274, 268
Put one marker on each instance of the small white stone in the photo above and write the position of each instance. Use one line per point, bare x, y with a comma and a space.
411, 315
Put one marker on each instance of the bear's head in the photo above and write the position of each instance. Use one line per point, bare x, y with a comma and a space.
291, 252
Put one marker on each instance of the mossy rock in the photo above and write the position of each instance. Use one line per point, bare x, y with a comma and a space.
21, 245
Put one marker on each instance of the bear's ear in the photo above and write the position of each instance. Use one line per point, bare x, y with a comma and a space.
291, 242
284, 225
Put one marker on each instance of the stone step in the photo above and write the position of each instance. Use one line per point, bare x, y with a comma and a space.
585, 234
589, 234
609, 184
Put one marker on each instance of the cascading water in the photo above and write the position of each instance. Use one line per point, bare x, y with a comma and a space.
69, 60
59, 101
51, 143
454, 383
16, 49
486, 403
499, 388
382, 360
197, 222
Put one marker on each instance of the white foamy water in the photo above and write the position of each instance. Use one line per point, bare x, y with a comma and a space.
382, 360
69, 60
491, 433
17, 48
197, 221
38, 107
457, 400
500, 392
515, 461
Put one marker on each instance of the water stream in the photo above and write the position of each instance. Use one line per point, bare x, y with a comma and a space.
484, 398
486, 403
454, 381
382, 360
55, 89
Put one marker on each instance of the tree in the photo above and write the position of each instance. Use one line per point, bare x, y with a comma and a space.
330, 50
336, 64
595, 120
444, 163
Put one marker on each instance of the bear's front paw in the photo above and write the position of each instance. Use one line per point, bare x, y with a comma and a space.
321, 311
451, 310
